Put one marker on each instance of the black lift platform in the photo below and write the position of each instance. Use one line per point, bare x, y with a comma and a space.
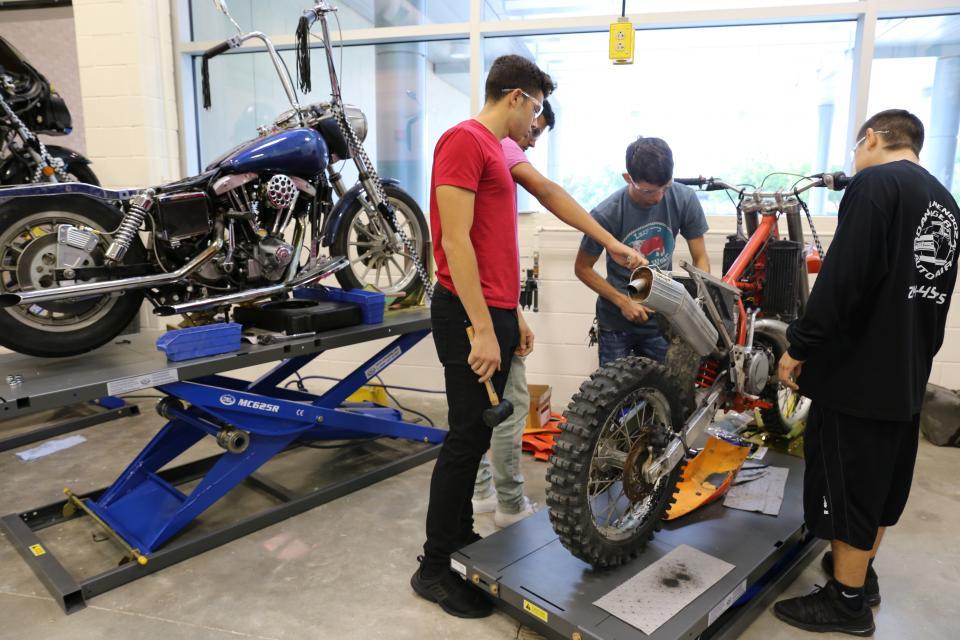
538, 582
155, 512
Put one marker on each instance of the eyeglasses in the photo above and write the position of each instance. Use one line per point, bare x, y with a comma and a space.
537, 105
853, 151
652, 192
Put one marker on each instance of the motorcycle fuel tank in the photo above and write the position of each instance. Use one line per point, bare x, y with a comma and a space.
299, 152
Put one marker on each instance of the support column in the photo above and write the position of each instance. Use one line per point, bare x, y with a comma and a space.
941, 143
401, 71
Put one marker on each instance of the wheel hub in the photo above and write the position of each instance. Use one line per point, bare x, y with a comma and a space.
634, 486
36, 270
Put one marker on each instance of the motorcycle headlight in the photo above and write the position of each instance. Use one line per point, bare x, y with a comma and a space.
357, 120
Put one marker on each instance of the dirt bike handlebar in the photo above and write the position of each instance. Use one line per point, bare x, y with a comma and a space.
834, 181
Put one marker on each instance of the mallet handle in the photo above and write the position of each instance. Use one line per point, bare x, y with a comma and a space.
491, 393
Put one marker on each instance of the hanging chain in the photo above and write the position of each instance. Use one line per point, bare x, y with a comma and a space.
360, 154
28, 136
813, 229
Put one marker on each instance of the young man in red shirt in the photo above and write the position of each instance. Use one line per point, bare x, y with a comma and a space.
473, 221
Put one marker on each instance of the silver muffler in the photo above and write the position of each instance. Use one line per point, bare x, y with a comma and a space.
110, 286
321, 271
666, 296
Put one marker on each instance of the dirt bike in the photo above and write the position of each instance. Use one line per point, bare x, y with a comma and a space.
629, 428
271, 215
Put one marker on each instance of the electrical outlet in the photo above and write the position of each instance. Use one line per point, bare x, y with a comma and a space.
621, 41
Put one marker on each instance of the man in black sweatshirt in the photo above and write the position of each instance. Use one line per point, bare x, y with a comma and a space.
863, 351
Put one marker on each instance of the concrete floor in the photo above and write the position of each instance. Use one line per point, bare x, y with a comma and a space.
342, 570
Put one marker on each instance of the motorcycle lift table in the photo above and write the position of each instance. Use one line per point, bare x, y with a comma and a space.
538, 582
150, 504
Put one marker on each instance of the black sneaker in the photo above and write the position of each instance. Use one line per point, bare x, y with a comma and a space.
823, 611
453, 594
871, 588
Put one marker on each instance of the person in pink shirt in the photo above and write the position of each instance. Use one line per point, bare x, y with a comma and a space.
499, 484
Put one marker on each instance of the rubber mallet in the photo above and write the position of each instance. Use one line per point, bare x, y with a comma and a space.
500, 410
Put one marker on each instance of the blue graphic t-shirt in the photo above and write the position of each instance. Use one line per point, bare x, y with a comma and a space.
652, 231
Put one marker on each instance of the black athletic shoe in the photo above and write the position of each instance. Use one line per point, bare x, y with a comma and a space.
871, 588
453, 594
823, 611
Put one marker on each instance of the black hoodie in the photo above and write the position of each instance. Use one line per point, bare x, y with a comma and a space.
877, 312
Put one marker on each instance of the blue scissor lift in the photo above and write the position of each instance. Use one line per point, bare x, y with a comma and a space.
145, 509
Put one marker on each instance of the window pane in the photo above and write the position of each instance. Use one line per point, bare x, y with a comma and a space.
916, 67
732, 102
280, 16
543, 9
410, 92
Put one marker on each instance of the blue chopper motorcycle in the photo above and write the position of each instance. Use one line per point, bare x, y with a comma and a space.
271, 215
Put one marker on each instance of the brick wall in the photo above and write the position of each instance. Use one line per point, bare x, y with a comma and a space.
126, 62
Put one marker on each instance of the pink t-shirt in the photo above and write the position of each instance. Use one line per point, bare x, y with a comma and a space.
512, 152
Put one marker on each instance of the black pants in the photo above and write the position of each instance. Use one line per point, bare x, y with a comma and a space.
450, 513
858, 474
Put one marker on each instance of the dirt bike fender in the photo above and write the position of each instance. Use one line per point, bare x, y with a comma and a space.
342, 206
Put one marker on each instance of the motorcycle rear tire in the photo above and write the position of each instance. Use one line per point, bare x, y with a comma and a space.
22, 338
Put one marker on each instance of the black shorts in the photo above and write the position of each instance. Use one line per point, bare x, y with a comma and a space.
858, 474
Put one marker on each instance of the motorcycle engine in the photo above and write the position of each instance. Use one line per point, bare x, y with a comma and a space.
750, 370
270, 259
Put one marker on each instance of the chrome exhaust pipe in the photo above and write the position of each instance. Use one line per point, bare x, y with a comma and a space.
110, 286
665, 295
331, 266
219, 301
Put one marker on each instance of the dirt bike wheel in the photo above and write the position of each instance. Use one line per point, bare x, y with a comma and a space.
789, 410
28, 249
603, 514
364, 244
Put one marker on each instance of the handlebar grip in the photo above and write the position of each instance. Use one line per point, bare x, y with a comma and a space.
214, 51
691, 182
836, 181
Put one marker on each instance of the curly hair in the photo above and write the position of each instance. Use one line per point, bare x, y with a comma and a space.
516, 72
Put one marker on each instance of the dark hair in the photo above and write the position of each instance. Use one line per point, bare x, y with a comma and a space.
650, 160
516, 72
548, 115
905, 129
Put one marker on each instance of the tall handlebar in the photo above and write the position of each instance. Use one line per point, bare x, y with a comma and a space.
235, 42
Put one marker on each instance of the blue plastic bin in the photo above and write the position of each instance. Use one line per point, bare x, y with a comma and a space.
197, 342
371, 303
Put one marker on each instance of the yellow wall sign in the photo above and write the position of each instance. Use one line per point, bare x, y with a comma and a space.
37, 550
535, 611
621, 41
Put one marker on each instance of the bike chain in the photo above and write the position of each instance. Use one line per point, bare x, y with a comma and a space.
56, 163
813, 229
361, 154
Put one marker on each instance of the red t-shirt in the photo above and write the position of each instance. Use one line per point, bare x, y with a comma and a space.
469, 156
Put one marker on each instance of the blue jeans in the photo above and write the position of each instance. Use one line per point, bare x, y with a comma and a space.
619, 344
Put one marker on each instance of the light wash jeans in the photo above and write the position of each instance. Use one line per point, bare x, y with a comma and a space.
505, 446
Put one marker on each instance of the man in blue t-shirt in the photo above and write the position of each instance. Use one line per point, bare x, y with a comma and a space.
647, 214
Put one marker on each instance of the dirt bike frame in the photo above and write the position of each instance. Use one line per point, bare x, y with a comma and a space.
726, 391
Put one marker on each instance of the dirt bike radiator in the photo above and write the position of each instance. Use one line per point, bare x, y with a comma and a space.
665, 295
781, 292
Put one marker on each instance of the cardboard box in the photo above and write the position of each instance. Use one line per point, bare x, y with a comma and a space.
539, 412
